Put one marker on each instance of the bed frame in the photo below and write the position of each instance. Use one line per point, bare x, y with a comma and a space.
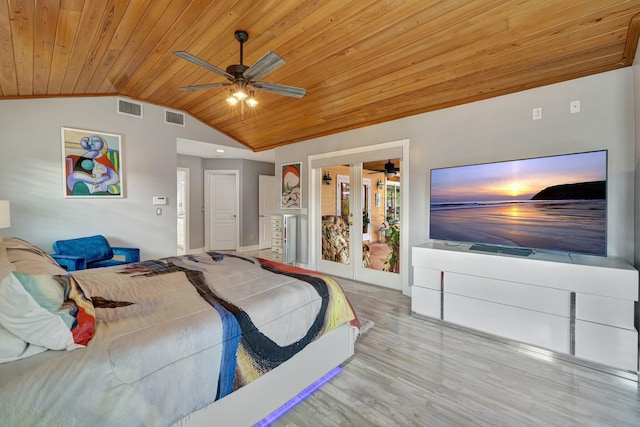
278, 386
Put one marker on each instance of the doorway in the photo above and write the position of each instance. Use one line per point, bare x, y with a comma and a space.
381, 163
266, 208
182, 206
221, 204
355, 238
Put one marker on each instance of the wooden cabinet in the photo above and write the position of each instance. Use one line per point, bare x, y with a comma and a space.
577, 305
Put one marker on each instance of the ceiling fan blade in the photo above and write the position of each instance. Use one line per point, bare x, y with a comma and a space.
204, 64
269, 62
208, 86
294, 92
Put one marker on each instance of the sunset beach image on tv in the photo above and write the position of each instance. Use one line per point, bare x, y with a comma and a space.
555, 203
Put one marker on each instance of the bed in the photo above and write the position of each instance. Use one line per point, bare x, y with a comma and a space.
197, 340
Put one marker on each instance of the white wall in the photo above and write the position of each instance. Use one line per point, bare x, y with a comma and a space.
31, 175
636, 106
502, 129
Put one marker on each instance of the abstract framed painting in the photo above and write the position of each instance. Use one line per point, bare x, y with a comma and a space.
291, 186
92, 164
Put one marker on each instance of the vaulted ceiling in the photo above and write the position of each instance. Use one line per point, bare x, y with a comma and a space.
362, 62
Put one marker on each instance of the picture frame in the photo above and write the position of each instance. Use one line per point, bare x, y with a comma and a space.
91, 164
291, 194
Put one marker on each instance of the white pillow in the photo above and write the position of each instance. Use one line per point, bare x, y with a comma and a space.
48, 311
14, 348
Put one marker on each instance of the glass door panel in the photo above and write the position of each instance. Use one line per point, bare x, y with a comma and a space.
335, 210
383, 246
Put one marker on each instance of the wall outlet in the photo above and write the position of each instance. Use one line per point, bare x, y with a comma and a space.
574, 107
537, 113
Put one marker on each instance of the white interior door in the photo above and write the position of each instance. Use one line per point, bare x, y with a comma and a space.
221, 210
267, 207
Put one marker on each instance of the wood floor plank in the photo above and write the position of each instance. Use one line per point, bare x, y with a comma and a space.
409, 371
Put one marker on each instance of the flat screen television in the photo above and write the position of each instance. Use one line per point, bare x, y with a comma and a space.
554, 203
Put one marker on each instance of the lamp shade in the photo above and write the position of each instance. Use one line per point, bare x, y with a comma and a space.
5, 214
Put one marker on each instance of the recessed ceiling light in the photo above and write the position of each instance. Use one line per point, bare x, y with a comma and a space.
219, 150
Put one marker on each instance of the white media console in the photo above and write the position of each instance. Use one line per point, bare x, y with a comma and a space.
577, 305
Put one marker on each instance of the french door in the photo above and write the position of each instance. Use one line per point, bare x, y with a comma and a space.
351, 237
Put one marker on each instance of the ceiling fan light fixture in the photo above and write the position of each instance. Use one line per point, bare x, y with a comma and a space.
232, 100
251, 101
240, 94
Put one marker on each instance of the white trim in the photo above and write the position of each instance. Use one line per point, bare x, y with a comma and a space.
250, 248
187, 191
358, 150
207, 173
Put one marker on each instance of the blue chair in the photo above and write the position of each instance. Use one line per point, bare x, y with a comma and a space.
91, 252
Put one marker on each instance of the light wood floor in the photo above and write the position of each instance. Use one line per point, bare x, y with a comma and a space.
411, 372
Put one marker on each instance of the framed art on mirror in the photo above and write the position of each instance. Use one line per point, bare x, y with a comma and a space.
291, 187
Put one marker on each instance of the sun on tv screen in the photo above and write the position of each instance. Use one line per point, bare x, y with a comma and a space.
555, 203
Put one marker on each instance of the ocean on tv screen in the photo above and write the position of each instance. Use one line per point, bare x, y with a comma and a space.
553, 203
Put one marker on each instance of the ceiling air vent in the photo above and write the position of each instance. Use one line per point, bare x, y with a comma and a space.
129, 108
174, 118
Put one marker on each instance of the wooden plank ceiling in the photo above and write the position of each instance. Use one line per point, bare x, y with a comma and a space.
362, 62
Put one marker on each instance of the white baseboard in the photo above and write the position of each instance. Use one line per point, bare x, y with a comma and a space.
241, 249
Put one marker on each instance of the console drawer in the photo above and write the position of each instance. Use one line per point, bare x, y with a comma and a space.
425, 302
608, 311
531, 327
538, 298
608, 345
427, 278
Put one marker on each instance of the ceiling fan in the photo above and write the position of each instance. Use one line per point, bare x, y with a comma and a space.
243, 77
390, 170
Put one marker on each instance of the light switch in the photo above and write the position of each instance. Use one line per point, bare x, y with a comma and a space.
158, 211
537, 113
